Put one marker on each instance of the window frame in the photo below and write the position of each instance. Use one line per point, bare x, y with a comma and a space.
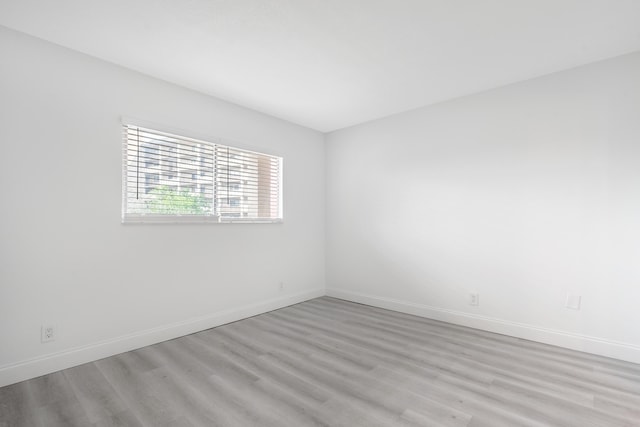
215, 217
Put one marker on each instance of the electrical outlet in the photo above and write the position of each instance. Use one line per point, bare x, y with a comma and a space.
574, 301
474, 298
48, 333
281, 287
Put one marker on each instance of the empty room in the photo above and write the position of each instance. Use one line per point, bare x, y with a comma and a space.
320, 213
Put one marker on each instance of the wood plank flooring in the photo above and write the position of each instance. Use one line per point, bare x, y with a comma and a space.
328, 362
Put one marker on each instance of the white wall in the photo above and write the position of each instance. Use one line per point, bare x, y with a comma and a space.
64, 255
521, 194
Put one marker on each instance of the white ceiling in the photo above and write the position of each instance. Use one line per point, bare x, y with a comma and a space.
328, 64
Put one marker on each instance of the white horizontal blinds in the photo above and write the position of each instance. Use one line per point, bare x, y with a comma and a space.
248, 185
173, 178
167, 175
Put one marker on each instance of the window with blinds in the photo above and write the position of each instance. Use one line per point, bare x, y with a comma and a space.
171, 178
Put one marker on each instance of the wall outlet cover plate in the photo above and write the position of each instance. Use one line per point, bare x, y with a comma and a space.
574, 301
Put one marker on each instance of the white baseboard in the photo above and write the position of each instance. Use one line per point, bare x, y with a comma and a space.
588, 344
48, 363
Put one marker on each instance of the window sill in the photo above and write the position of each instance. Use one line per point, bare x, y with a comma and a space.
194, 219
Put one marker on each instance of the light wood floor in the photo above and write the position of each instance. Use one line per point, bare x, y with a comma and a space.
331, 362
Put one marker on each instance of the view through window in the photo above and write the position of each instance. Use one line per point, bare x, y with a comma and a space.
170, 178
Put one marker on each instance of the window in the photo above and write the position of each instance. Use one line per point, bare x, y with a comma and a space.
171, 178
